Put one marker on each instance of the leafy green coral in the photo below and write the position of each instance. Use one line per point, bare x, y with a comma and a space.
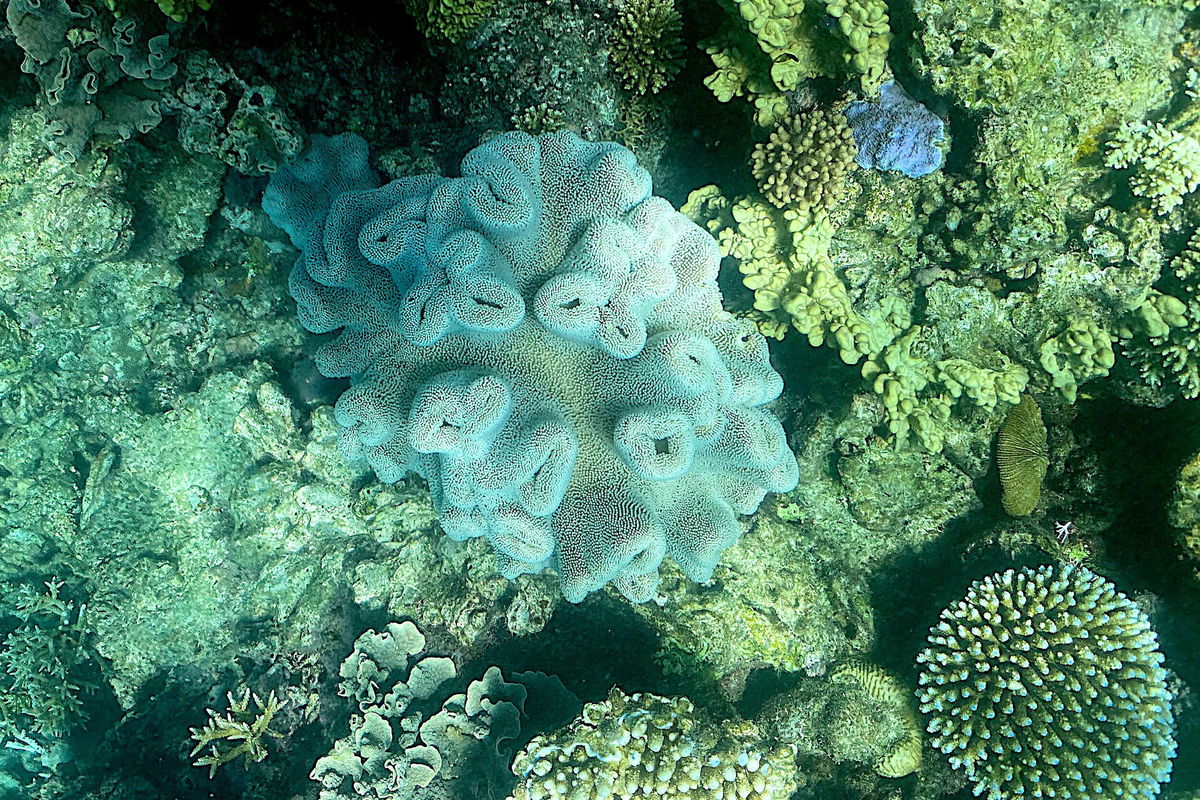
1165, 334
178, 10
1049, 682
647, 50
768, 49
448, 20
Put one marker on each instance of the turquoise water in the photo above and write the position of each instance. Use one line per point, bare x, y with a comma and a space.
533, 399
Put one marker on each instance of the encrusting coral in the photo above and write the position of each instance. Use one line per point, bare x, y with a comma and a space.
646, 746
1048, 682
543, 340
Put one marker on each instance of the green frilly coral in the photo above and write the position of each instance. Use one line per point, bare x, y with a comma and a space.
447, 20
1048, 682
1166, 347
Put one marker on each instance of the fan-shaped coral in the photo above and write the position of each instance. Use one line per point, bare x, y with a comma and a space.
1048, 682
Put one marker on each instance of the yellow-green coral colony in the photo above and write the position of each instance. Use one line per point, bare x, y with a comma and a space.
1022, 457
1048, 682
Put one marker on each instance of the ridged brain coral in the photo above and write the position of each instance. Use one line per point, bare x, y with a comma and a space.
1048, 682
543, 341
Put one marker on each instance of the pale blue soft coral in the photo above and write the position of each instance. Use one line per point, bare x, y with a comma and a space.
896, 133
542, 340
1048, 682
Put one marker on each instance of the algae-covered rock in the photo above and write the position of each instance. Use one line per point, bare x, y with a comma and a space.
860, 713
774, 602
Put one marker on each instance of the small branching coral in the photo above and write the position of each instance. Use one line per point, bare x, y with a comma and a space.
240, 732
1048, 682
42, 658
647, 51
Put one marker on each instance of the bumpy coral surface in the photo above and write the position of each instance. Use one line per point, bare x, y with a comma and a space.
1048, 682
543, 341
805, 161
896, 133
643, 745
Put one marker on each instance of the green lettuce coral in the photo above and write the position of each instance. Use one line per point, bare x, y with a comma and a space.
1048, 682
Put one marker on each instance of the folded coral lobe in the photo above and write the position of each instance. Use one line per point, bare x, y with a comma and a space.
543, 341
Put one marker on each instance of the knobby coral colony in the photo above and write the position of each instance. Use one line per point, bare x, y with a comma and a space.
1048, 682
543, 341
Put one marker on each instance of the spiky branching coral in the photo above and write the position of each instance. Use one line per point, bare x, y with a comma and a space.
1048, 682
647, 50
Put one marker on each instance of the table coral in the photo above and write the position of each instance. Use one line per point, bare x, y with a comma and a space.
1049, 682
543, 341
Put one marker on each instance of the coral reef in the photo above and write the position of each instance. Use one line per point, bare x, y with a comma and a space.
501, 406
1049, 681
896, 133
643, 745
1022, 457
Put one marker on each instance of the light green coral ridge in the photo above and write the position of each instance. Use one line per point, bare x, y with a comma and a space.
1048, 682
646, 746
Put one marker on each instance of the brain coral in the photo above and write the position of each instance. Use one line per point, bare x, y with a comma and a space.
543, 341
1048, 682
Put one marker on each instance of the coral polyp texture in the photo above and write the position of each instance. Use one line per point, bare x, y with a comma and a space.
643, 745
542, 340
1048, 682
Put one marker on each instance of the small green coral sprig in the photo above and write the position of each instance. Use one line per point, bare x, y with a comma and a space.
239, 732
1166, 162
1048, 682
